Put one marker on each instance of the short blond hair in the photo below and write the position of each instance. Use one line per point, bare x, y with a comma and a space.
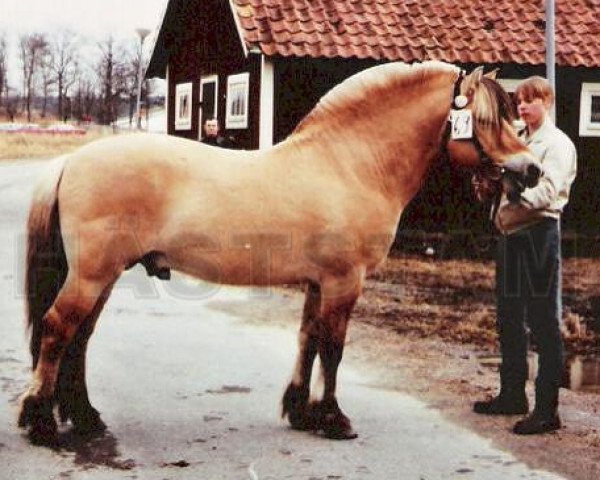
535, 87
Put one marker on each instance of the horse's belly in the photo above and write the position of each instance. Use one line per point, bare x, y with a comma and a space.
274, 258
260, 267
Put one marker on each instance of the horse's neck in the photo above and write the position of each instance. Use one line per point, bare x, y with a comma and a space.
390, 149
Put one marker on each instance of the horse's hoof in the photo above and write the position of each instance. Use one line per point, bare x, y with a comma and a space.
329, 419
44, 434
89, 424
294, 406
303, 422
337, 426
335, 432
37, 414
35, 410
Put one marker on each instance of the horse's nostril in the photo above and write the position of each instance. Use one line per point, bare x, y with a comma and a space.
533, 175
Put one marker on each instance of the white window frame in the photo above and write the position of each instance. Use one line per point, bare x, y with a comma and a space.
236, 113
588, 128
207, 79
183, 101
509, 84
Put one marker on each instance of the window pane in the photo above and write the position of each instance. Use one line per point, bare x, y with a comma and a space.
595, 116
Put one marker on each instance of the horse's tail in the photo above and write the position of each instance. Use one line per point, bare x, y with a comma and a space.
46, 263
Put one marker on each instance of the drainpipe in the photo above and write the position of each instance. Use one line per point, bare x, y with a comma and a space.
550, 52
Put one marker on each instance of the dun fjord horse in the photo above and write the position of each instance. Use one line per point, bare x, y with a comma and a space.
320, 208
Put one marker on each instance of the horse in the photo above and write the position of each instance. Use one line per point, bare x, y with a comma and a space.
319, 209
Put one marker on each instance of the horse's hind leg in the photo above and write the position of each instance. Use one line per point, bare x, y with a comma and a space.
295, 399
337, 305
73, 305
71, 393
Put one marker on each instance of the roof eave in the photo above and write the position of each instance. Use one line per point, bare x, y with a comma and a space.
239, 29
157, 66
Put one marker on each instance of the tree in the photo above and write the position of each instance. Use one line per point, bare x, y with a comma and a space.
47, 78
65, 59
31, 48
131, 85
85, 98
112, 73
3, 67
12, 104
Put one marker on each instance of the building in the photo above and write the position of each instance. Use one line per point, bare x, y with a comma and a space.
261, 65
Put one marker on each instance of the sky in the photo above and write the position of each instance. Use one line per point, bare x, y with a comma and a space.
94, 20
92, 17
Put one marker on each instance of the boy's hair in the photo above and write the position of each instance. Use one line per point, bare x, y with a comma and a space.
535, 87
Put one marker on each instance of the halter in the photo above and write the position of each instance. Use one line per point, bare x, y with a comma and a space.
459, 102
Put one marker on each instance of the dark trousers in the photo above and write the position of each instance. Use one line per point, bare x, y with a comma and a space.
528, 278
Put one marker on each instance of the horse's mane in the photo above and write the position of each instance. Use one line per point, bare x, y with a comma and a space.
357, 93
493, 105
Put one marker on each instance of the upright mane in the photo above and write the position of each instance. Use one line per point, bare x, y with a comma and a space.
364, 90
491, 105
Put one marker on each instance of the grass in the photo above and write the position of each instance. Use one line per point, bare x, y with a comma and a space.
16, 146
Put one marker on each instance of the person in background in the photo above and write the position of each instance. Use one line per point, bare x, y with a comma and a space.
211, 134
528, 269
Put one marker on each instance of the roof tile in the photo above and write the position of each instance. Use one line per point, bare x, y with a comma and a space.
479, 31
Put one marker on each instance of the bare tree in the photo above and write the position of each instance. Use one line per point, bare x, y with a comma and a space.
31, 47
65, 59
3, 67
47, 78
84, 98
12, 103
135, 56
112, 73
131, 78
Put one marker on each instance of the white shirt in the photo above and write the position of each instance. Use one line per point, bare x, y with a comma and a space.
558, 156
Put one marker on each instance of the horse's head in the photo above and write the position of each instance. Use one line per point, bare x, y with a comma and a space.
482, 133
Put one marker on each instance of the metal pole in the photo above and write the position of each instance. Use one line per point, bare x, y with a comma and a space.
550, 52
142, 33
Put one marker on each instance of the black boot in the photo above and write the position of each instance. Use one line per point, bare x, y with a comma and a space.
537, 422
508, 402
512, 399
544, 417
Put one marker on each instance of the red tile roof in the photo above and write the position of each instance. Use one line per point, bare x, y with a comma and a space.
478, 31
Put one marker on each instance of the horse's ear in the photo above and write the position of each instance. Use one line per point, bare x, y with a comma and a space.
476, 75
492, 75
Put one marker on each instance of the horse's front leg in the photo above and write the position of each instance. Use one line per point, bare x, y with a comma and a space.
295, 399
337, 305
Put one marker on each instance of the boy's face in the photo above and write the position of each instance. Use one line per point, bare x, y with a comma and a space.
532, 111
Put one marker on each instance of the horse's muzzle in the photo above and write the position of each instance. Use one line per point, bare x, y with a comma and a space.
532, 176
514, 183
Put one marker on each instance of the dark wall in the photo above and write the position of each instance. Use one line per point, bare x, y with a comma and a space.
583, 212
301, 82
202, 40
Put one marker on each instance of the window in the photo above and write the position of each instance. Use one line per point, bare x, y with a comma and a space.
237, 101
589, 110
183, 106
509, 84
